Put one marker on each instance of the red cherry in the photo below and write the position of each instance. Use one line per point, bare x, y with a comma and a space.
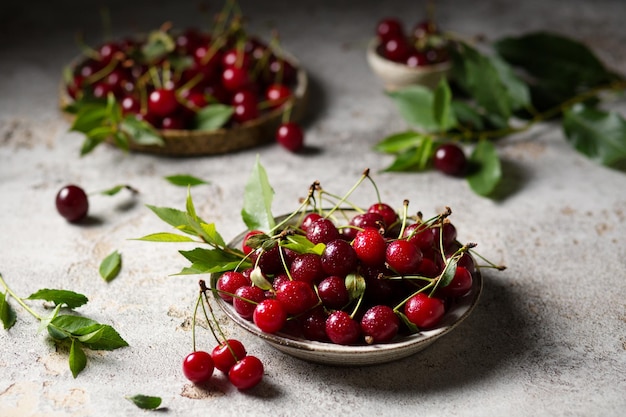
424, 311
198, 367
388, 28
162, 102
235, 78
222, 354
246, 373
451, 160
269, 315
276, 95
72, 203
290, 136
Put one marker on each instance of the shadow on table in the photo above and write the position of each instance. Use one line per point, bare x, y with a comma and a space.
495, 336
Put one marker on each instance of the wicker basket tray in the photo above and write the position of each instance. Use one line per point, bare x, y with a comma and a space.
225, 140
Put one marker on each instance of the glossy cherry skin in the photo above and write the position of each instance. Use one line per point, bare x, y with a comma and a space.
379, 324
198, 367
223, 357
290, 136
450, 159
269, 315
72, 203
424, 311
246, 373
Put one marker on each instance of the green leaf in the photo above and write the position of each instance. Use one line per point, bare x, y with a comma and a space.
301, 244
448, 273
415, 104
556, 59
488, 171
355, 283
478, 76
94, 335
59, 297
110, 266
185, 180
89, 144
140, 132
77, 358
166, 237
7, 314
211, 234
597, 134
257, 201
173, 217
213, 116
104, 337
145, 402
89, 117
399, 142
467, 115
45, 322
414, 159
442, 109
409, 324
516, 90
258, 279
116, 189
69, 325
210, 260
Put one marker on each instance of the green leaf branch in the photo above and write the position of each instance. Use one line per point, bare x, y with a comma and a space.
522, 82
70, 330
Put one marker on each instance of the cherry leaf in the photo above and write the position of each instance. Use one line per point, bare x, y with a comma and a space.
442, 109
259, 280
7, 314
145, 402
409, 324
415, 158
59, 297
487, 172
597, 134
110, 266
355, 283
415, 104
166, 237
257, 202
184, 180
140, 132
77, 358
210, 261
399, 142
213, 116
173, 217
555, 59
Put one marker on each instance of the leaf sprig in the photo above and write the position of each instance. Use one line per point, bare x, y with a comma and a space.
70, 330
524, 81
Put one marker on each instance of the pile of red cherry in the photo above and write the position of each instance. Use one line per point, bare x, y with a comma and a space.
424, 45
190, 70
376, 277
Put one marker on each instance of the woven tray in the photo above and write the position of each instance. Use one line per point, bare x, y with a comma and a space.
247, 135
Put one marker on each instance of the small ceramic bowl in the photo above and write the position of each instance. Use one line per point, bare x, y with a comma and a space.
396, 75
341, 355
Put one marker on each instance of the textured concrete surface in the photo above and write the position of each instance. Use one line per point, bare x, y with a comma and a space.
547, 337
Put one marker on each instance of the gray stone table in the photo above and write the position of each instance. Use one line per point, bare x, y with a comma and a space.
548, 336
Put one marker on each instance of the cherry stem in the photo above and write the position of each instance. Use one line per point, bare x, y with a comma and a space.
203, 292
19, 300
366, 174
405, 213
193, 321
